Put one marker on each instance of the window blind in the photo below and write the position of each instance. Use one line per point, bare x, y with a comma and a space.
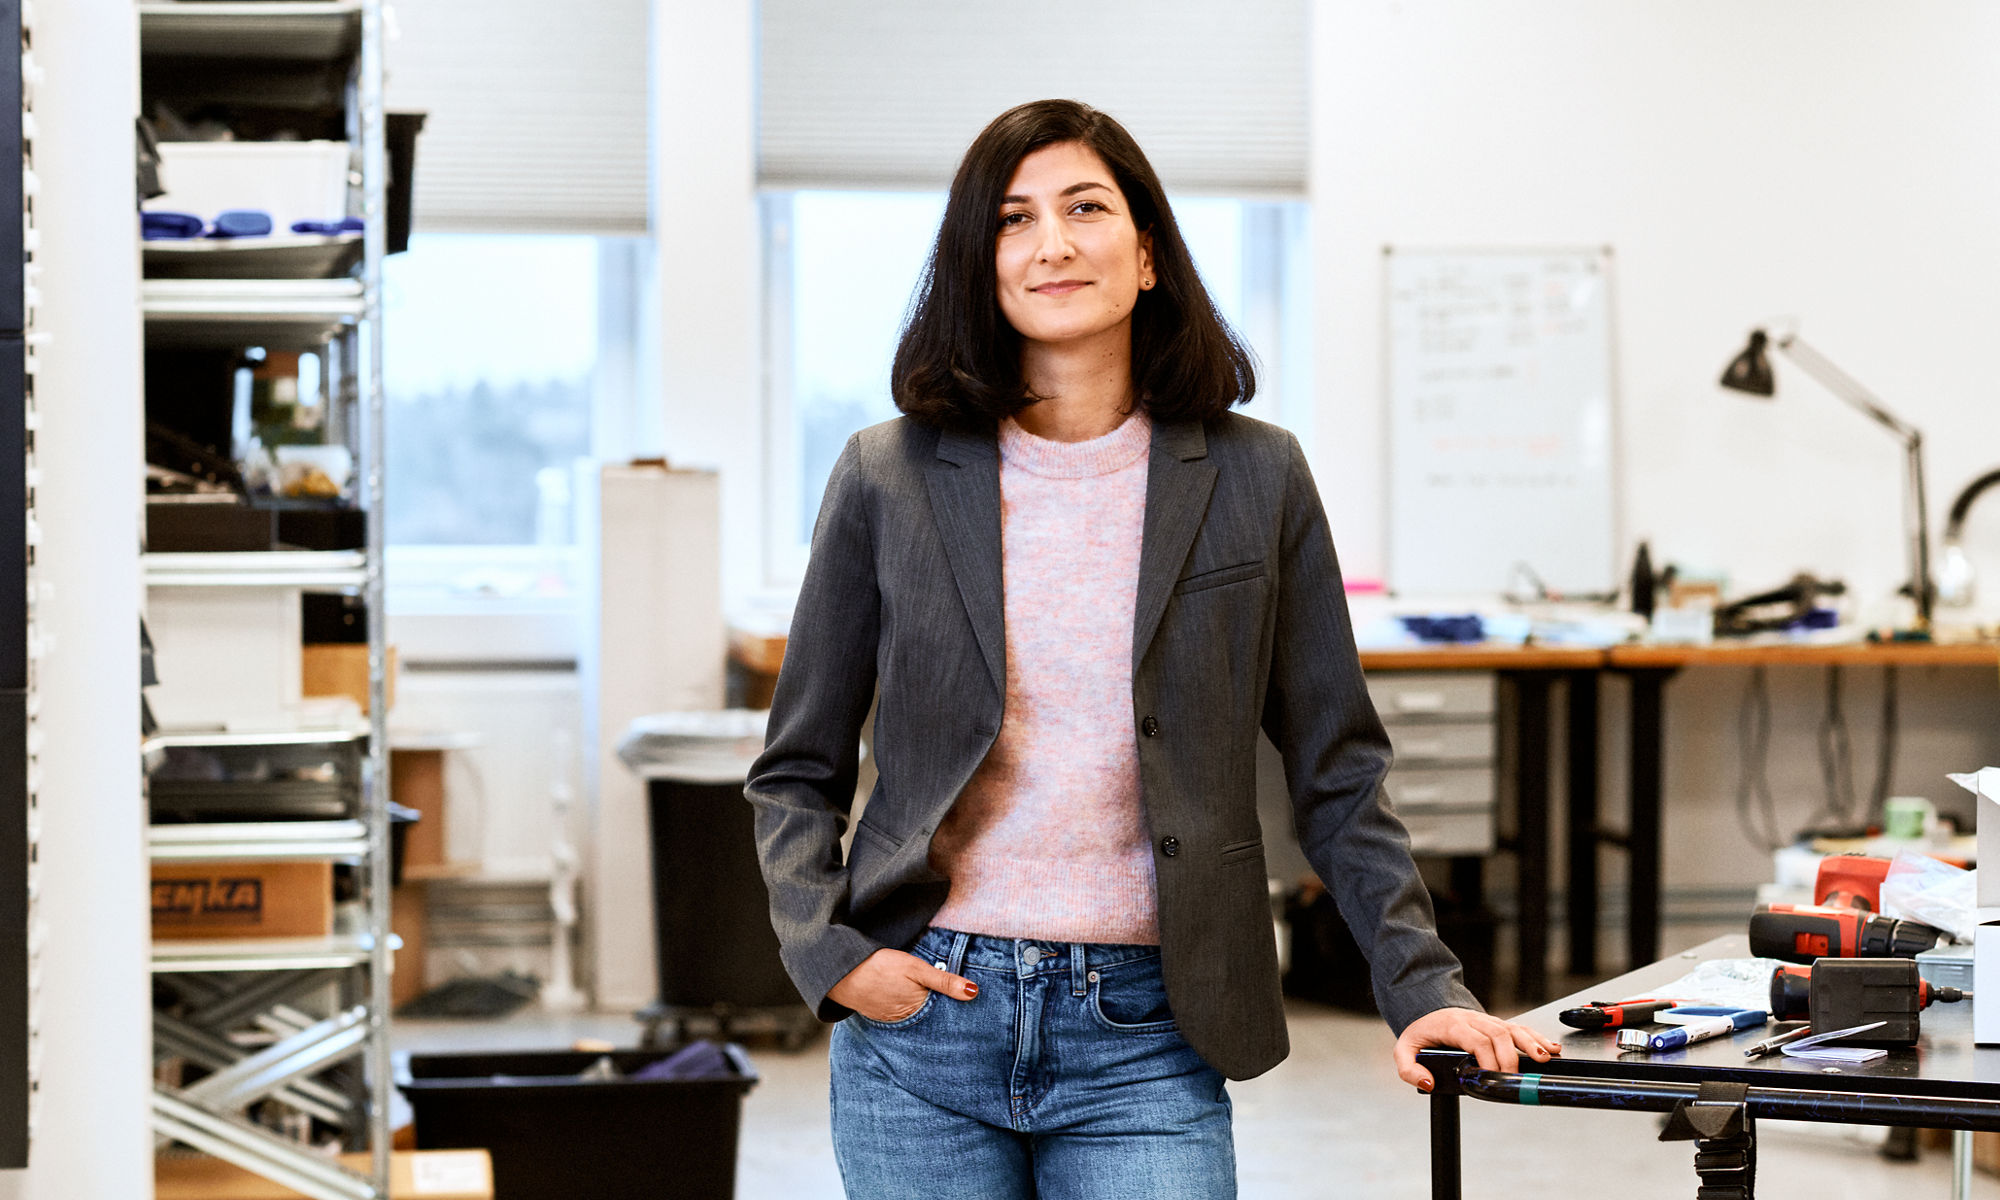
888, 93
537, 113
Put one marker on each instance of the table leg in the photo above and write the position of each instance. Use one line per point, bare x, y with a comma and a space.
1445, 1173
1531, 826
1642, 838
1961, 1164
1583, 822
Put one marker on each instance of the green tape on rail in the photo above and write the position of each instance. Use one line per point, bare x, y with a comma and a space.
1531, 1089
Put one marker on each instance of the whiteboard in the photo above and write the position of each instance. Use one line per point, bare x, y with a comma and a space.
1501, 440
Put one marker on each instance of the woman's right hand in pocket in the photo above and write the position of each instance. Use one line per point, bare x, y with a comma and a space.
890, 986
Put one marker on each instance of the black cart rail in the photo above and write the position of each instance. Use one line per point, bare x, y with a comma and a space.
1718, 1116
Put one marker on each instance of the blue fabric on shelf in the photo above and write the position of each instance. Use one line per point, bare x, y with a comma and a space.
344, 225
169, 226
242, 222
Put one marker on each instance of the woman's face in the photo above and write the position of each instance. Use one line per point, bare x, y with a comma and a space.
1071, 262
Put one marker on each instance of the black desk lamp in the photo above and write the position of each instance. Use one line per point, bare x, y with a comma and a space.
1750, 372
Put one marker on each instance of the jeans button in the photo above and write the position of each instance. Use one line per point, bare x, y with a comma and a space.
1170, 846
1031, 955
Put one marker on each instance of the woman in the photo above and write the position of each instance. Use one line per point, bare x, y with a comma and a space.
1083, 587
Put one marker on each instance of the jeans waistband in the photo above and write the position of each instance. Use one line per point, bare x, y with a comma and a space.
1024, 956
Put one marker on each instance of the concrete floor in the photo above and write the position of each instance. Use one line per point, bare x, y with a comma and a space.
1331, 1121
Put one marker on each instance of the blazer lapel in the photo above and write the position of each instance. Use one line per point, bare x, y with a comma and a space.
965, 499
1179, 480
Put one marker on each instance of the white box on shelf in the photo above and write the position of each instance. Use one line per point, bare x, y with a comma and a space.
293, 181
1986, 978
1984, 784
225, 655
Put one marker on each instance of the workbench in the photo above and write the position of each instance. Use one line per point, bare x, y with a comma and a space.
1944, 1082
1531, 673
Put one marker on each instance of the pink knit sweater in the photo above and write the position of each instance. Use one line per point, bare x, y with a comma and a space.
1048, 840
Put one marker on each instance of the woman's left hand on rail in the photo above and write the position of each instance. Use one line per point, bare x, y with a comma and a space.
1497, 1045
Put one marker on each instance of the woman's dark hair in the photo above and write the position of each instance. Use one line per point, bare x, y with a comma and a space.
959, 361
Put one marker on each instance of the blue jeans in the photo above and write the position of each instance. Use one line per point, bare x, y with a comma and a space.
1065, 1078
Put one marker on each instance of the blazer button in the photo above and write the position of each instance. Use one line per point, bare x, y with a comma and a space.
1170, 846
1149, 727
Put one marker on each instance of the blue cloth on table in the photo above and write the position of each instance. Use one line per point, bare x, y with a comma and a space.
1467, 628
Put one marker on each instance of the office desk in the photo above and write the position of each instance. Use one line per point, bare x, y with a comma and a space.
1944, 1082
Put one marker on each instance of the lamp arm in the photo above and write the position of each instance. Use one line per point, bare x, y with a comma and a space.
1845, 386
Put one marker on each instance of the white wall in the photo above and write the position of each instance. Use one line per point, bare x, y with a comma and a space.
1836, 162
91, 1137
1839, 162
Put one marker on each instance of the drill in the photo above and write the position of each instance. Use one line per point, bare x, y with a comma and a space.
1800, 934
1850, 881
1840, 993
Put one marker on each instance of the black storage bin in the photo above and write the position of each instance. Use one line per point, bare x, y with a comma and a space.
555, 1136
711, 911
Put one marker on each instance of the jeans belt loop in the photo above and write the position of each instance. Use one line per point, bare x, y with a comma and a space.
956, 959
1076, 970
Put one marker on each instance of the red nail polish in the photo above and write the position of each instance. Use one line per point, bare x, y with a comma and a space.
1424, 1087
971, 990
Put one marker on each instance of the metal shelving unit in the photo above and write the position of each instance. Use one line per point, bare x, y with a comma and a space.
316, 569
292, 30
253, 1015
288, 314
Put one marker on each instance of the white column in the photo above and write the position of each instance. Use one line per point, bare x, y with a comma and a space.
90, 1137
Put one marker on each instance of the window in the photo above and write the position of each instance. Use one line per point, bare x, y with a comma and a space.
507, 358
490, 343
842, 266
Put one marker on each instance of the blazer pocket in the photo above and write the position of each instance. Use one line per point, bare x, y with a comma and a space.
863, 829
1236, 852
1220, 577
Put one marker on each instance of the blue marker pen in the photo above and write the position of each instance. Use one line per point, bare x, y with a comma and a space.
1690, 1028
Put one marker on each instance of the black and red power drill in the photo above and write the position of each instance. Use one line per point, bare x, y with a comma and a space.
1801, 934
1841, 993
1841, 923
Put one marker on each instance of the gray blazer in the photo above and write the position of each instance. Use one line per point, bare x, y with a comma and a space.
1241, 625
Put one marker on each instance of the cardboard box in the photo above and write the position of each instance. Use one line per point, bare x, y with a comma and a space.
1986, 975
242, 899
413, 1175
225, 655
416, 780
409, 920
341, 669
1984, 785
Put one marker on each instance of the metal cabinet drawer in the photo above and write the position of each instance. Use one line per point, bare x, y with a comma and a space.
1418, 744
1454, 833
1427, 695
1451, 789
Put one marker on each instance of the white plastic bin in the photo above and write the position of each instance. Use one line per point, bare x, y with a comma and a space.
293, 181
